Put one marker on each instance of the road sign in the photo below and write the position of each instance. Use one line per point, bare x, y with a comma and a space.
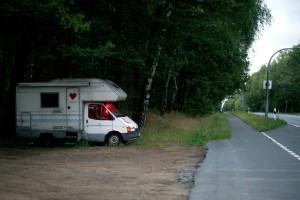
265, 84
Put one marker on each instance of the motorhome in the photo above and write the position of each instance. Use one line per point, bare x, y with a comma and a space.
73, 109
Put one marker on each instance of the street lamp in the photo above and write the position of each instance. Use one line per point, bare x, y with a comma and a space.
268, 77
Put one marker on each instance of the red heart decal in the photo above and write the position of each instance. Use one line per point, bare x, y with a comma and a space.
72, 96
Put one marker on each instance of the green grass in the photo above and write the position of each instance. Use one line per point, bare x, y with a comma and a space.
175, 128
82, 143
216, 128
259, 123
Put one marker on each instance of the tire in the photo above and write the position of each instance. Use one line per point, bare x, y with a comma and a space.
47, 140
114, 139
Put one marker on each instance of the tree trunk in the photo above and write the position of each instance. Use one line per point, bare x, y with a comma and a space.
5, 71
138, 89
164, 100
145, 105
21, 56
174, 93
143, 114
184, 94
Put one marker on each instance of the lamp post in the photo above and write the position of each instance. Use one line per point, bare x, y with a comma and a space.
268, 77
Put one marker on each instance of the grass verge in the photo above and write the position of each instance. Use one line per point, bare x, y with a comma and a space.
176, 128
258, 122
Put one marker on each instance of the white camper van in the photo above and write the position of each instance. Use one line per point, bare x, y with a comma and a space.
72, 109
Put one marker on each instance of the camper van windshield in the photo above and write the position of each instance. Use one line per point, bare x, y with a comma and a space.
113, 109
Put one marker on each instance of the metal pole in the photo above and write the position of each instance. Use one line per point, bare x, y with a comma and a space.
268, 78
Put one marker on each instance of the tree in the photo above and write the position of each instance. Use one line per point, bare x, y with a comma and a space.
254, 92
216, 46
284, 95
31, 26
165, 54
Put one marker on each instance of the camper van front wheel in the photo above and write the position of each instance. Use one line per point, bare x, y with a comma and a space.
114, 139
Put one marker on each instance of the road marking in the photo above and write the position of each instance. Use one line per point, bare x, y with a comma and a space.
283, 147
294, 125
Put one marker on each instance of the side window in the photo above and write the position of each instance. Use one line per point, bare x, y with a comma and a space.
49, 100
98, 112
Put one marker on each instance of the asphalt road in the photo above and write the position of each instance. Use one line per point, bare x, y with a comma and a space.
290, 119
293, 120
251, 165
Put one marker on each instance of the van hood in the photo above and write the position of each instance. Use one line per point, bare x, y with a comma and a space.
128, 122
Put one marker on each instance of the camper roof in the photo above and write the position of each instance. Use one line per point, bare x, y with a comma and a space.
66, 82
90, 89
50, 84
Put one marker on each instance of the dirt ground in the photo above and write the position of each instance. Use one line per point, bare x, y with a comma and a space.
98, 172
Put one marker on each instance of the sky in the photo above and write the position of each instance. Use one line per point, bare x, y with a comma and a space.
284, 32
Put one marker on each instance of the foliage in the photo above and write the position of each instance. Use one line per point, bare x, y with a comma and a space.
234, 102
203, 44
258, 122
284, 94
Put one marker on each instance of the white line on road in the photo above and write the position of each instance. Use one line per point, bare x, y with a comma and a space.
283, 147
294, 125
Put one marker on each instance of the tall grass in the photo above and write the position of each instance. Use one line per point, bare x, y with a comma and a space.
176, 128
215, 127
259, 123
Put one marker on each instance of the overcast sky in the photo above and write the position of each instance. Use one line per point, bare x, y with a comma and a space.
284, 32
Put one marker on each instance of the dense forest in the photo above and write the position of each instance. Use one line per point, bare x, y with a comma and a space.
284, 94
167, 55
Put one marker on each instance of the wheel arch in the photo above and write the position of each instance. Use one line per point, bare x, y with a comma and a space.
113, 133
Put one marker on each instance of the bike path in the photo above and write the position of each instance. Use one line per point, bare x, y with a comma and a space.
247, 166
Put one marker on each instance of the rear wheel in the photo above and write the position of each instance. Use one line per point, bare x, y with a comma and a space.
47, 140
114, 139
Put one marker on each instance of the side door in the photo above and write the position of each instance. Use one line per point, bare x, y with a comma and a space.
97, 121
72, 111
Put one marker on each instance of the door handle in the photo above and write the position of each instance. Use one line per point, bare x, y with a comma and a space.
86, 121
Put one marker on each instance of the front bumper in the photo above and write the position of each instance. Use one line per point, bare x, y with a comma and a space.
132, 135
